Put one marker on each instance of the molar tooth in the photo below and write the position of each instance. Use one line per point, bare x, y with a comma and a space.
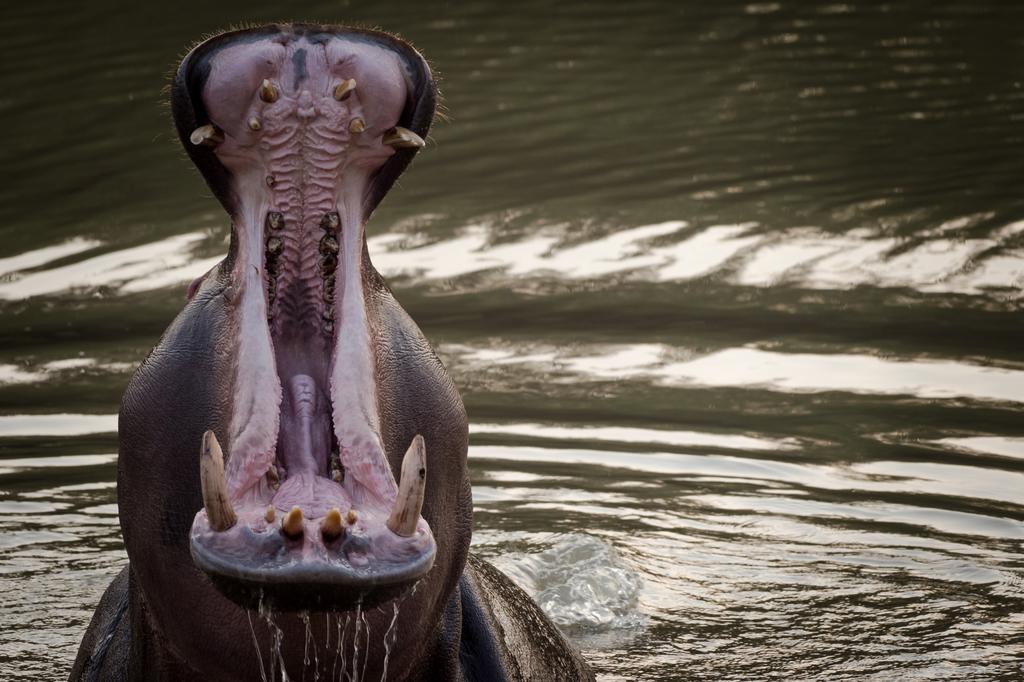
274, 246
399, 138
331, 527
254, 124
275, 220
291, 524
328, 245
330, 221
343, 89
215, 489
208, 135
356, 126
268, 93
270, 514
409, 502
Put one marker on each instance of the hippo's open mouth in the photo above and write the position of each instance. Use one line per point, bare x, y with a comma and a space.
303, 119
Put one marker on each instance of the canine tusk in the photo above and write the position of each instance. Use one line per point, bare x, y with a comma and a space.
268, 93
343, 89
215, 489
208, 135
399, 138
406, 512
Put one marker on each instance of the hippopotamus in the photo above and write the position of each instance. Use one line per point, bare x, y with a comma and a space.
292, 480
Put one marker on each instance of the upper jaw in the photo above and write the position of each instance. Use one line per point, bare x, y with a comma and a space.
305, 508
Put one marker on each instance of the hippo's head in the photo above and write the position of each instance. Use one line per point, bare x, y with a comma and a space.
292, 425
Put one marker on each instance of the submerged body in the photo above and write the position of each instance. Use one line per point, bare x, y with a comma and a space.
261, 443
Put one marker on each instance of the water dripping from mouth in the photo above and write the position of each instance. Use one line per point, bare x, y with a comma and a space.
309, 641
339, 652
350, 661
277, 637
389, 640
355, 642
366, 658
256, 643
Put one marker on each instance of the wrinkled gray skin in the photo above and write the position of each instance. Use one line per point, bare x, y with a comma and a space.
162, 618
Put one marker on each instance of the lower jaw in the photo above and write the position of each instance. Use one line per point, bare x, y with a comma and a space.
310, 548
317, 585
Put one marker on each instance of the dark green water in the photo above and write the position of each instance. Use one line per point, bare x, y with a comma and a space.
732, 293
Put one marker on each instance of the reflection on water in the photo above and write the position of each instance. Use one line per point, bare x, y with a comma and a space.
759, 369
743, 254
731, 290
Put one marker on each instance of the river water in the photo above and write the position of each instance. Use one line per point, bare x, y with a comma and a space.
732, 292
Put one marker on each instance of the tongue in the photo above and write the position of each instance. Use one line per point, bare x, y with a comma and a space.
313, 494
304, 439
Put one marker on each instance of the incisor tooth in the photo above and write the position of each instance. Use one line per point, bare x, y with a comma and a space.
343, 89
291, 524
351, 516
215, 490
331, 527
208, 135
357, 125
410, 490
268, 93
270, 514
400, 138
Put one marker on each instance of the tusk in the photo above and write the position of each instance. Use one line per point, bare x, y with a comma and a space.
331, 527
215, 489
291, 524
400, 137
406, 512
343, 89
356, 126
208, 135
268, 93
